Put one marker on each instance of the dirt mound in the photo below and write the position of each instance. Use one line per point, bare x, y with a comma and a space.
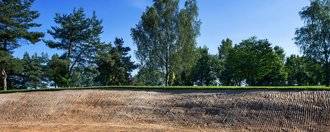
170, 110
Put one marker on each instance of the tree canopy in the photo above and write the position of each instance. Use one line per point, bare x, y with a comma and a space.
167, 52
16, 19
115, 65
164, 35
252, 60
313, 38
78, 36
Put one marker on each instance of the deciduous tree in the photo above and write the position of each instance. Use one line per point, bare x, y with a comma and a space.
225, 75
302, 71
313, 38
252, 60
202, 71
165, 36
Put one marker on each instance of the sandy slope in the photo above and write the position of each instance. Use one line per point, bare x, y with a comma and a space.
165, 110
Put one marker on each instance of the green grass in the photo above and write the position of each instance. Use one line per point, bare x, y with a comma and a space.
322, 88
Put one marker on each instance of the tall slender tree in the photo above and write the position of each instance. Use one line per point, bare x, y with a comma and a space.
186, 51
314, 37
164, 34
225, 75
16, 19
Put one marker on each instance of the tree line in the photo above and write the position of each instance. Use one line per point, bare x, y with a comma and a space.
86, 60
166, 42
167, 51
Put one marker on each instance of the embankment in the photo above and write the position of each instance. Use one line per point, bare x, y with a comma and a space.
152, 110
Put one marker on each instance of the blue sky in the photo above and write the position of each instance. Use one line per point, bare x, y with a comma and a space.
275, 20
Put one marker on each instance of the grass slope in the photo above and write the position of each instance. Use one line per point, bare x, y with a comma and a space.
321, 88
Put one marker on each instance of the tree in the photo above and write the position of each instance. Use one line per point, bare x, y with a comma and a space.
314, 71
34, 70
224, 49
14, 68
251, 60
148, 76
302, 71
278, 74
216, 68
57, 71
115, 65
164, 35
105, 65
296, 68
78, 36
225, 75
83, 75
313, 38
124, 61
188, 30
202, 71
16, 19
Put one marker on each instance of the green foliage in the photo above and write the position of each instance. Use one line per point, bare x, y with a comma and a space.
313, 38
252, 60
303, 71
188, 31
166, 48
4, 56
225, 75
14, 69
78, 36
57, 71
84, 76
115, 65
16, 19
278, 74
202, 71
224, 49
166, 36
148, 76
34, 70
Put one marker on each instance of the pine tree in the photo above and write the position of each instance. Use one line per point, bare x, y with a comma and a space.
115, 65
16, 19
78, 36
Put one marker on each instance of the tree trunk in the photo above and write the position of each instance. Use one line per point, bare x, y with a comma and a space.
166, 75
167, 66
68, 65
4, 76
327, 74
75, 61
3, 70
326, 68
